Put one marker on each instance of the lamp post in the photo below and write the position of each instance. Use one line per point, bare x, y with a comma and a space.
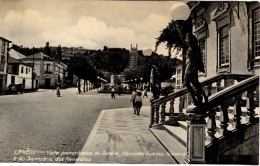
97, 82
148, 52
154, 109
141, 83
136, 83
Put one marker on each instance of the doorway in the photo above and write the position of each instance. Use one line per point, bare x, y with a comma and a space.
47, 83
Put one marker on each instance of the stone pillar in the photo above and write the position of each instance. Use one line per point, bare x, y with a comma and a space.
195, 136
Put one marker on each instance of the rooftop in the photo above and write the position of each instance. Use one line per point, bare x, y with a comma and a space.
5, 39
16, 55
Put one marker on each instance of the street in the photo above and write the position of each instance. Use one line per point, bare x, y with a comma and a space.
44, 122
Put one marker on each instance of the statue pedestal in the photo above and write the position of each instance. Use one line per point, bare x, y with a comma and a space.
195, 137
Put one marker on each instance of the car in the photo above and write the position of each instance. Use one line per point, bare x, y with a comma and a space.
15, 88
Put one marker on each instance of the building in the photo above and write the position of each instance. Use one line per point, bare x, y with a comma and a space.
4, 43
48, 71
228, 36
68, 52
177, 75
132, 63
18, 71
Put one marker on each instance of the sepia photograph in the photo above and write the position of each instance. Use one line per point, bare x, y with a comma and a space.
129, 82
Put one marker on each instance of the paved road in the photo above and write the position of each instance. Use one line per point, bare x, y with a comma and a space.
43, 122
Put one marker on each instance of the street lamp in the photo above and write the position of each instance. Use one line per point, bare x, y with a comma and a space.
97, 82
136, 83
148, 52
182, 12
141, 83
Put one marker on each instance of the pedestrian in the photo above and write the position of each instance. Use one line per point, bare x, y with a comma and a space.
113, 93
79, 87
138, 102
145, 93
58, 90
133, 99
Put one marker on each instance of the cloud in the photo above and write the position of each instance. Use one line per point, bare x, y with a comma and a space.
31, 29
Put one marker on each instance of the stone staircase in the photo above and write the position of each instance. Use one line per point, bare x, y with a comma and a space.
173, 136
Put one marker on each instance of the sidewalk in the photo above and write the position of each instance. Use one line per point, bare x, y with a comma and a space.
119, 136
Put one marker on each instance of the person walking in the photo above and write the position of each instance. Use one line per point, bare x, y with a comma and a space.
133, 99
145, 93
138, 102
113, 93
79, 87
58, 90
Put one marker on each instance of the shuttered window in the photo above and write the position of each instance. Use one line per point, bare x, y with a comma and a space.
224, 45
256, 27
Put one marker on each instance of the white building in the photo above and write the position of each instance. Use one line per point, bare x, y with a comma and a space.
18, 71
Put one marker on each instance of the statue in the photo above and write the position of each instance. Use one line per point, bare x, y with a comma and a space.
194, 64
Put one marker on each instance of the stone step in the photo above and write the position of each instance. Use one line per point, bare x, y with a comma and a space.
177, 132
183, 124
171, 144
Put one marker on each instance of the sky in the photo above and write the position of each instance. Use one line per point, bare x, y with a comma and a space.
89, 24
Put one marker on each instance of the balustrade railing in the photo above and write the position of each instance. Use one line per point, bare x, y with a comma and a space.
232, 96
160, 114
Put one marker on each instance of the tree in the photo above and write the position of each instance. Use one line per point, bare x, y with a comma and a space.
174, 35
113, 60
59, 53
82, 67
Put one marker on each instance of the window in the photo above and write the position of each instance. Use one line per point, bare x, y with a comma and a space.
2, 63
12, 79
22, 69
256, 32
26, 70
202, 45
48, 68
3, 47
224, 46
